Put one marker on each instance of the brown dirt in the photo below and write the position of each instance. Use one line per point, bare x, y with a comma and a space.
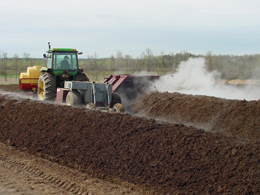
22, 173
153, 157
11, 87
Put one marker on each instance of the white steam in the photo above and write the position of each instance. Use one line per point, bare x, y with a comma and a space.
193, 78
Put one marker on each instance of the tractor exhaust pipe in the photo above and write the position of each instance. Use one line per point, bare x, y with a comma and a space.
49, 44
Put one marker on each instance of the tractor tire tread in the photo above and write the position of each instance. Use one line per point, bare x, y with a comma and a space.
49, 85
115, 99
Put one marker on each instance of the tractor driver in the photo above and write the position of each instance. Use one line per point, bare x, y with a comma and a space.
64, 63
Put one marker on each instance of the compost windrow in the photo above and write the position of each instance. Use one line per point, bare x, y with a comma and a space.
159, 158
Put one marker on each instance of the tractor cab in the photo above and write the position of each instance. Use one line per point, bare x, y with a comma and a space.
62, 63
62, 59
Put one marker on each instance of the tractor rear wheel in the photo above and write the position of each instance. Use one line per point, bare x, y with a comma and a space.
116, 104
81, 77
74, 99
46, 87
115, 99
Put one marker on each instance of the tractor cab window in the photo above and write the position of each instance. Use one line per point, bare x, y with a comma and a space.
65, 60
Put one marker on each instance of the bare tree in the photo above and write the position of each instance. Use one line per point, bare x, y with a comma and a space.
128, 62
148, 57
95, 57
119, 60
110, 63
209, 61
15, 61
4, 63
27, 58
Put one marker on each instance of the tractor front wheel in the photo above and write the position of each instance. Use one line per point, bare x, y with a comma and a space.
46, 87
74, 99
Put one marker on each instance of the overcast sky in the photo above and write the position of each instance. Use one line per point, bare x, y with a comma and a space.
104, 27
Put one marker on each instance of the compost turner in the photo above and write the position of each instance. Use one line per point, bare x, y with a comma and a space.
97, 96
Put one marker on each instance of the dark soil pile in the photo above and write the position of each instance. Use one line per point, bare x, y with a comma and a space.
232, 117
160, 158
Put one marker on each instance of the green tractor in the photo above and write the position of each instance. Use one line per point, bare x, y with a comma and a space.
62, 65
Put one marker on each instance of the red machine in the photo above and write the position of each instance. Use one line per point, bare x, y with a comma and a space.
130, 85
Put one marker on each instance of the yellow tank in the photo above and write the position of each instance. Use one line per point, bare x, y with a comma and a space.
29, 79
31, 76
24, 76
34, 72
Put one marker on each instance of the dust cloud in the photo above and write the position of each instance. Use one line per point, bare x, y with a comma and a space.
193, 78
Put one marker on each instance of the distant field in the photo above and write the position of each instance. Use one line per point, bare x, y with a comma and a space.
9, 81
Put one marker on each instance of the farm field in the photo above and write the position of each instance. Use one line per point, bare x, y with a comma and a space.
172, 144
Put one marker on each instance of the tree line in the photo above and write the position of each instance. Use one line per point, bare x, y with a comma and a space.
15, 64
230, 66
234, 66
146, 62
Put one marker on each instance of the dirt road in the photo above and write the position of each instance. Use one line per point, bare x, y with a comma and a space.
22, 173
137, 154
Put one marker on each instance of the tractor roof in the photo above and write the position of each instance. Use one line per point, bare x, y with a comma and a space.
62, 49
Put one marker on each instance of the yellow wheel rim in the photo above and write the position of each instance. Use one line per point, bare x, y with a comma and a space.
41, 90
